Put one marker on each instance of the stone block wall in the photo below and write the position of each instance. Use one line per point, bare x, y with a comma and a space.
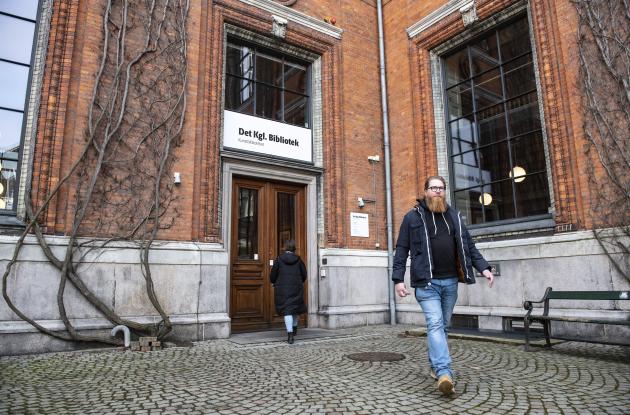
189, 278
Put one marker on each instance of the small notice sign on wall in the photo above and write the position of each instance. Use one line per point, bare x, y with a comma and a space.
359, 225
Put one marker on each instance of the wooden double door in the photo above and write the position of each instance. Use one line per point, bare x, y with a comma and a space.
265, 215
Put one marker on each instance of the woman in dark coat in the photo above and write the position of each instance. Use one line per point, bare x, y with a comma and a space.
288, 275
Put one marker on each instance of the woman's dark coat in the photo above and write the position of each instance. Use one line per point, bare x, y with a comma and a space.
288, 275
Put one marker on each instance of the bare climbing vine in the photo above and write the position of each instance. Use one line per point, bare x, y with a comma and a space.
604, 80
119, 188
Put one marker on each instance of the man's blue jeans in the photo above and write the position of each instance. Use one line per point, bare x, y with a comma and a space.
438, 301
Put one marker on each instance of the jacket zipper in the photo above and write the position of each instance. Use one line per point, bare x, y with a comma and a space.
426, 235
461, 239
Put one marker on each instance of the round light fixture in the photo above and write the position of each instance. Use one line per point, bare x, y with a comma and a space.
1, 188
518, 174
485, 199
2, 204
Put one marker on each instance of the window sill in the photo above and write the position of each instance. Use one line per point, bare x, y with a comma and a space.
11, 221
534, 226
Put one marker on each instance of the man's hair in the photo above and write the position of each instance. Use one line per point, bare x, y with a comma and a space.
440, 178
289, 245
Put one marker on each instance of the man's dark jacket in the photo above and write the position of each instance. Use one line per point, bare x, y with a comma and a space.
288, 275
413, 239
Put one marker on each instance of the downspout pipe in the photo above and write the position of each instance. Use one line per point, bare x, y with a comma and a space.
126, 333
388, 173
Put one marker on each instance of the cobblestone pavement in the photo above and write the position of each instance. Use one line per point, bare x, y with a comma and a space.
314, 376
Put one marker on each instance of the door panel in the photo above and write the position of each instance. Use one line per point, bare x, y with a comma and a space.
247, 223
287, 207
248, 290
285, 219
264, 216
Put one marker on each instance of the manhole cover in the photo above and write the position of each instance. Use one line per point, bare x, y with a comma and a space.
376, 357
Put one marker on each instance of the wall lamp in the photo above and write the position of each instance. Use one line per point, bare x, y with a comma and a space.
362, 201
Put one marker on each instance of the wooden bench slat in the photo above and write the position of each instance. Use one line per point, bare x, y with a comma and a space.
589, 295
582, 320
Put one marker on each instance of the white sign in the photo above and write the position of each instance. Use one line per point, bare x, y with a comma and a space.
258, 135
359, 225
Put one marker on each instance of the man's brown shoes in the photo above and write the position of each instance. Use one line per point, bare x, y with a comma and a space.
445, 385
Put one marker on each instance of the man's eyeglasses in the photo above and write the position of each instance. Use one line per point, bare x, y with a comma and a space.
437, 188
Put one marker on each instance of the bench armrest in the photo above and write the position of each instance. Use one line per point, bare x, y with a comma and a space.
529, 304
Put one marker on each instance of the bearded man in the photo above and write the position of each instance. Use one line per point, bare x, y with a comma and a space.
442, 255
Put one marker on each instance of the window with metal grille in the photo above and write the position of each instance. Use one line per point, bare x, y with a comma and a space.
266, 84
496, 149
18, 20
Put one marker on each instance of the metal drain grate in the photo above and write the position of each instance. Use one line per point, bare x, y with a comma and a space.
376, 357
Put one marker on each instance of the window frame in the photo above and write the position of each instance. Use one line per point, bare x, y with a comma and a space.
445, 160
233, 39
10, 213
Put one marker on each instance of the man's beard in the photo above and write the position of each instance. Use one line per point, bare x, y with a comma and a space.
436, 204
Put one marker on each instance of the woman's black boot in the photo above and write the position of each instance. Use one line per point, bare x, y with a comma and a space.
290, 338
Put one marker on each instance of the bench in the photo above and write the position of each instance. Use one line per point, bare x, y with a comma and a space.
550, 294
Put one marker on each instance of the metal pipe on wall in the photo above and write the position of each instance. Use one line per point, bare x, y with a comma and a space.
388, 187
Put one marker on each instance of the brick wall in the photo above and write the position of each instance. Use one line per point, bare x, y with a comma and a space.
412, 118
47, 157
352, 123
352, 127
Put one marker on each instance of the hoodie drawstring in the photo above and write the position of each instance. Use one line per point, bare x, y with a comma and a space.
435, 226
445, 221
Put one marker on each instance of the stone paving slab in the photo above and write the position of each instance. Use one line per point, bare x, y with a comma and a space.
281, 335
315, 376
494, 337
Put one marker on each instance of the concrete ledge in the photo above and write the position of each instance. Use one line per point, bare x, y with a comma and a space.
162, 252
434, 17
358, 309
296, 17
199, 332
354, 258
14, 327
497, 338
339, 321
27, 342
568, 244
519, 312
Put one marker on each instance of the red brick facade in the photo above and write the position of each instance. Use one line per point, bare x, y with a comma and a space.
53, 112
238, 14
555, 37
352, 127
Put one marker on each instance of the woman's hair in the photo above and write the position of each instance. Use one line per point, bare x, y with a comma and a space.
290, 245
